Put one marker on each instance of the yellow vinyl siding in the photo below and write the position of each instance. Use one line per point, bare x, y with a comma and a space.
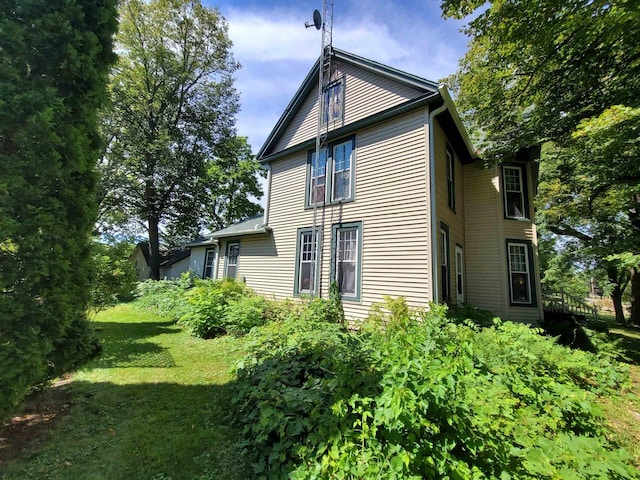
391, 203
455, 220
486, 275
365, 94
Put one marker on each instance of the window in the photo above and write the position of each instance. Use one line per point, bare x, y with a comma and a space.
451, 186
346, 256
459, 275
209, 262
338, 185
520, 259
341, 177
444, 263
515, 205
318, 180
233, 251
333, 102
306, 261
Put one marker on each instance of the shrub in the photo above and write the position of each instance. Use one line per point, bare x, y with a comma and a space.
418, 395
207, 305
244, 313
114, 276
167, 297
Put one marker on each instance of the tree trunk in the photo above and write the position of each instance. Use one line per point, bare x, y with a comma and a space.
616, 293
635, 296
154, 248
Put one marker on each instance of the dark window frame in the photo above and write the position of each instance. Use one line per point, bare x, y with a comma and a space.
336, 228
446, 279
528, 245
296, 285
526, 214
330, 174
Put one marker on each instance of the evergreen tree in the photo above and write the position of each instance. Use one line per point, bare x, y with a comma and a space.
54, 62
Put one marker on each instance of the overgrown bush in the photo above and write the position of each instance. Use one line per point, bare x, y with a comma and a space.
167, 297
244, 313
418, 395
114, 276
207, 305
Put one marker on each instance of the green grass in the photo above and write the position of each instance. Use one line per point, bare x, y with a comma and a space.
153, 406
623, 411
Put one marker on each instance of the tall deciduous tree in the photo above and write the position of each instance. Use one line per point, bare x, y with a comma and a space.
173, 109
54, 63
562, 73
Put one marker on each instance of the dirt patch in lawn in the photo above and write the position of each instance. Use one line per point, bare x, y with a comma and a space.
42, 409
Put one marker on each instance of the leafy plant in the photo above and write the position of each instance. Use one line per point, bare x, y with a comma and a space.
419, 395
244, 313
207, 305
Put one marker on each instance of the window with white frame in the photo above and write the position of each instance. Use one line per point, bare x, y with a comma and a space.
514, 192
333, 104
233, 252
307, 254
209, 263
331, 178
347, 258
520, 284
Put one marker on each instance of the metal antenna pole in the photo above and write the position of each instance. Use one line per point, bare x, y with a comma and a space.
324, 78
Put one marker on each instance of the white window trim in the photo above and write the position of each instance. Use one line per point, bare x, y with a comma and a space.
459, 256
227, 263
521, 192
299, 258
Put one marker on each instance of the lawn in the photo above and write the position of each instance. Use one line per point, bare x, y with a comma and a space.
153, 406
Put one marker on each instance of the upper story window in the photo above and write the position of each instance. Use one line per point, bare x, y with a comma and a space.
341, 176
515, 192
331, 179
333, 104
451, 179
318, 178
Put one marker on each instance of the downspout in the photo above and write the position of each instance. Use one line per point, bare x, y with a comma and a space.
267, 196
432, 194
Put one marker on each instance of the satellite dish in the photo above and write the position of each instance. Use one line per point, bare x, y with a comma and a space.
317, 20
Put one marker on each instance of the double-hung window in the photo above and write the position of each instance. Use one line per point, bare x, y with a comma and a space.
331, 178
346, 256
341, 177
318, 178
520, 272
233, 252
515, 198
306, 261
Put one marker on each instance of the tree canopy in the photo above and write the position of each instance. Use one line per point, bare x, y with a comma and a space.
172, 116
562, 74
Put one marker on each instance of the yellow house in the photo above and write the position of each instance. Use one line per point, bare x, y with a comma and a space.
399, 201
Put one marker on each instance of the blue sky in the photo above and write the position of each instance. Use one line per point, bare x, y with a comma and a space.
276, 50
